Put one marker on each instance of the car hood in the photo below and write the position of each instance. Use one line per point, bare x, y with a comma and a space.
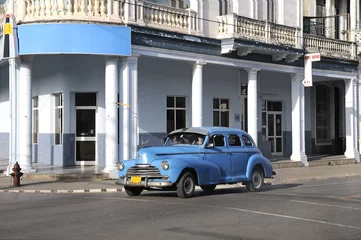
147, 155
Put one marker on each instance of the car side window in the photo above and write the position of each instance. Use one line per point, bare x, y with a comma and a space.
217, 140
234, 140
246, 141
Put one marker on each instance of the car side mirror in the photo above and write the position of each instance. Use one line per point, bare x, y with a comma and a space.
210, 145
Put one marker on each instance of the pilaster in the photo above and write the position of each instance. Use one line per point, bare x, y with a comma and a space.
252, 103
111, 113
197, 93
298, 119
351, 119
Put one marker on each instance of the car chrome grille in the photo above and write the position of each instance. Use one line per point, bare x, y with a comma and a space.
144, 170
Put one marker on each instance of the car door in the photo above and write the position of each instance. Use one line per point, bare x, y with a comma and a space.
239, 156
218, 154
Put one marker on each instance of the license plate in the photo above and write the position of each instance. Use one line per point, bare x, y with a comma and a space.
135, 179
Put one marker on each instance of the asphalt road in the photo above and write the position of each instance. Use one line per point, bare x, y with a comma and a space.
323, 209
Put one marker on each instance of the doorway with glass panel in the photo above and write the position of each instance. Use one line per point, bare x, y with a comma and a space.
272, 125
85, 127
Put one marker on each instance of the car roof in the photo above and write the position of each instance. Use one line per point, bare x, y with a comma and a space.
207, 130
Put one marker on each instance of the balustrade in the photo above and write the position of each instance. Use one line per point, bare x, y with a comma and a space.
330, 47
235, 26
118, 11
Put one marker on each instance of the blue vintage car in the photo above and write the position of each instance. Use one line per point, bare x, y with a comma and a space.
203, 156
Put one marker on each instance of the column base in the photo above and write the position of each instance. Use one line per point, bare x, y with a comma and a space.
353, 154
112, 170
300, 157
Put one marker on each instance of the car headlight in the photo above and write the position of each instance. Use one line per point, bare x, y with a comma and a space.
120, 166
165, 165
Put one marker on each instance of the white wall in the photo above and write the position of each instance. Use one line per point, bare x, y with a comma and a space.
277, 86
67, 74
159, 78
4, 99
292, 12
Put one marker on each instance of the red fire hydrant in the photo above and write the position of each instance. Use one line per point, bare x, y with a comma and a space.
16, 174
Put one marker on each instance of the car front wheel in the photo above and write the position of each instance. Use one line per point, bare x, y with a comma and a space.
256, 182
133, 191
186, 186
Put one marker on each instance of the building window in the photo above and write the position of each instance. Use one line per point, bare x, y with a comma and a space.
35, 119
221, 112
58, 118
323, 114
224, 7
270, 11
176, 113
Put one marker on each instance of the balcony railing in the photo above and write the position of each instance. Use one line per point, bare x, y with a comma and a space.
118, 11
330, 47
234, 26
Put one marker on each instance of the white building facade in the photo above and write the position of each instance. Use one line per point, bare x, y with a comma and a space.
101, 91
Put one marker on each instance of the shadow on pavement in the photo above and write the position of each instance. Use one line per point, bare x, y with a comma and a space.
193, 233
221, 191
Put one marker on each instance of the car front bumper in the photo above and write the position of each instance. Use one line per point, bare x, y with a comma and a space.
145, 182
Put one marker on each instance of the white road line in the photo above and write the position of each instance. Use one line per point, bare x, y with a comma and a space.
326, 205
236, 209
295, 218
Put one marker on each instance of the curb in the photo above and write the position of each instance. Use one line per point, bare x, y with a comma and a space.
65, 177
100, 190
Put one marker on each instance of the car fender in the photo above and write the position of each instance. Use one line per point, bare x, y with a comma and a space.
258, 159
177, 166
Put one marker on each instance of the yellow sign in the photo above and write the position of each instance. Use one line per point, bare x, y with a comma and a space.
8, 28
135, 179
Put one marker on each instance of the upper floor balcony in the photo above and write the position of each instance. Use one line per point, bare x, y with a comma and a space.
331, 36
121, 12
234, 26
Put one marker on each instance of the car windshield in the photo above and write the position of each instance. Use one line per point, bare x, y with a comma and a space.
185, 138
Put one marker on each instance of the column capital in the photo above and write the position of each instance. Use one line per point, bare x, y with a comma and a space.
111, 57
200, 62
131, 59
252, 70
297, 75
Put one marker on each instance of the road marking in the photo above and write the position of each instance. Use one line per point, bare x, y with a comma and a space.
326, 205
235, 209
295, 218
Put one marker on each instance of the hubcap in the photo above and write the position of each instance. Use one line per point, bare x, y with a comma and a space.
188, 185
256, 179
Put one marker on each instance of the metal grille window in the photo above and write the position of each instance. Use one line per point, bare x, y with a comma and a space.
176, 113
35, 119
58, 118
221, 112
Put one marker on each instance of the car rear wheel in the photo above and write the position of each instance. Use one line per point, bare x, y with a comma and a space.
133, 191
256, 182
208, 188
186, 186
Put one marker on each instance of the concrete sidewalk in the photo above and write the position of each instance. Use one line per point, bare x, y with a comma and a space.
284, 175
